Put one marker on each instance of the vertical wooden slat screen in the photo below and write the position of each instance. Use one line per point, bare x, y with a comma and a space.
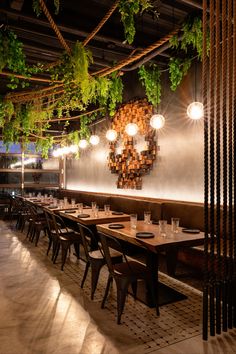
219, 94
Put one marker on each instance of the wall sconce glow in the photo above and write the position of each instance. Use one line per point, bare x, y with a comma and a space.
157, 121
111, 135
94, 139
83, 144
131, 129
195, 110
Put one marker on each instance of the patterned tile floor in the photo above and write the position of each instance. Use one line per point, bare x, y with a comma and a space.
37, 290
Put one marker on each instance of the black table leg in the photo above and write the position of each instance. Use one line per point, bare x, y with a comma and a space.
152, 264
171, 261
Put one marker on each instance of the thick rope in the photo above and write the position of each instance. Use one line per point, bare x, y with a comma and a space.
31, 78
149, 49
92, 34
218, 168
212, 165
230, 154
234, 157
101, 73
54, 26
101, 23
205, 67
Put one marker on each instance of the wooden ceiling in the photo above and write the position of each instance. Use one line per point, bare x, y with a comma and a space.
76, 19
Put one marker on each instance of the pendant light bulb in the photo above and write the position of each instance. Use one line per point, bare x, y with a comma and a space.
131, 129
94, 139
157, 121
195, 110
111, 135
83, 143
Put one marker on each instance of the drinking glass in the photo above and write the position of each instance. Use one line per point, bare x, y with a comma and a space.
175, 225
94, 205
73, 201
80, 208
147, 217
162, 227
107, 209
45, 196
65, 200
133, 221
61, 203
95, 211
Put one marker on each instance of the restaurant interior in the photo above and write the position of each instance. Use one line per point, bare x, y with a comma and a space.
117, 176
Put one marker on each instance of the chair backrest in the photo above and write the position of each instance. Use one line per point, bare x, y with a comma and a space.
106, 241
55, 223
86, 233
49, 220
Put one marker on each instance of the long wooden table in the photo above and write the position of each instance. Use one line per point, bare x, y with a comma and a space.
92, 220
153, 246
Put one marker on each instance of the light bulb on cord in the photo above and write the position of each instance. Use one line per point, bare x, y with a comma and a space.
73, 148
131, 129
195, 110
83, 143
157, 121
94, 139
111, 135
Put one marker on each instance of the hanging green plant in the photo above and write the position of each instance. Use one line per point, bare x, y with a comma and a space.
191, 37
150, 78
6, 111
44, 145
38, 10
178, 68
128, 9
115, 93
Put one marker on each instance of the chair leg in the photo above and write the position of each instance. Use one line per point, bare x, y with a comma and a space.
77, 249
49, 244
122, 288
95, 267
85, 274
37, 235
134, 288
56, 251
109, 282
64, 250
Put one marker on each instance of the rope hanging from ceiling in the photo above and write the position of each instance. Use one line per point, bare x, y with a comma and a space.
218, 87
54, 26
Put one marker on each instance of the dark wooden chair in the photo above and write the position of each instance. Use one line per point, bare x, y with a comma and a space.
61, 237
125, 274
94, 258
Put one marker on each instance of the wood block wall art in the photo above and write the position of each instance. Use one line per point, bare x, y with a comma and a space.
124, 158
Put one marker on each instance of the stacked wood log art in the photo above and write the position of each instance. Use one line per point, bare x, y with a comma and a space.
130, 165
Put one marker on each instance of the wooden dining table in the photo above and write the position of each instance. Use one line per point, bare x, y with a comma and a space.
170, 242
91, 219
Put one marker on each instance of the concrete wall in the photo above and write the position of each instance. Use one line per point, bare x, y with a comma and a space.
178, 170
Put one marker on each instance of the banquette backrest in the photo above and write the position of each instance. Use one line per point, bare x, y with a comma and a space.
191, 215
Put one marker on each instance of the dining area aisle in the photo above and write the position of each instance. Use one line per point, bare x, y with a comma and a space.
44, 310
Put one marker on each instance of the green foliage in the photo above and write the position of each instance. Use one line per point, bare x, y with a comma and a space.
37, 8
128, 9
192, 36
43, 146
178, 68
102, 90
6, 111
115, 93
150, 78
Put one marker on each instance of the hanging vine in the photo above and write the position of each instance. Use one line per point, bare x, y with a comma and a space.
150, 78
128, 10
30, 114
